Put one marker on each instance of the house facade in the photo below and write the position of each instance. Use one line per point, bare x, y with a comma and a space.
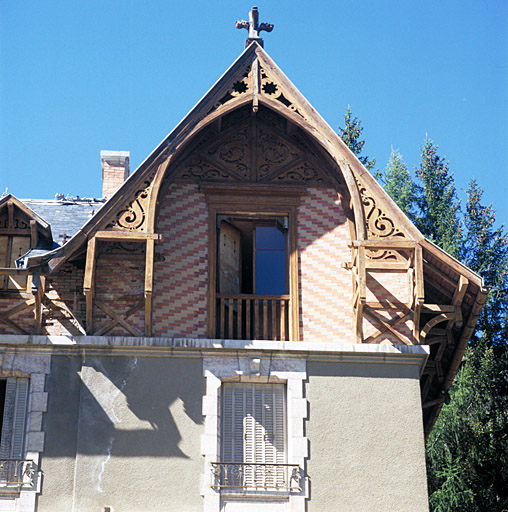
247, 322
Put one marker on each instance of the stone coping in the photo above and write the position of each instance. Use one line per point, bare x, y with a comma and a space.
313, 350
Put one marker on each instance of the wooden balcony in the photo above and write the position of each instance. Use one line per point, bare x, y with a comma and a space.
252, 317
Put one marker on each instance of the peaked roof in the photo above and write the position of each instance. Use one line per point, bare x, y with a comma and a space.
10, 200
254, 80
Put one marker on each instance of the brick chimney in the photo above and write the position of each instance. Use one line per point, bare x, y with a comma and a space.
115, 170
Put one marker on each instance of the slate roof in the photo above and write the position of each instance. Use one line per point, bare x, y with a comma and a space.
66, 216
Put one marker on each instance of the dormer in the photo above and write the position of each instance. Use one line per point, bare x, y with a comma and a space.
21, 229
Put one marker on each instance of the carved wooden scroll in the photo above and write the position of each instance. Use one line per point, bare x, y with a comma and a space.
133, 215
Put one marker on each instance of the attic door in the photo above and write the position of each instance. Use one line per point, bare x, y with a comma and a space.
252, 277
252, 255
230, 258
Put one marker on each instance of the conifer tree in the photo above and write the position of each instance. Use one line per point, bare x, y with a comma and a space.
399, 185
438, 218
351, 134
486, 252
467, 451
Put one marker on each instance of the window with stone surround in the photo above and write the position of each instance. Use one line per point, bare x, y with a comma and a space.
15, 471
253, 437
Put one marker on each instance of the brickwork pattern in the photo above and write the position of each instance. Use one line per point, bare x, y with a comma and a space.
64, 308
24, 319
181, 277
119, 283
325, 287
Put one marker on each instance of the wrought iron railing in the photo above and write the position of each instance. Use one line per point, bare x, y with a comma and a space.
253, 317
17, 474
266, 477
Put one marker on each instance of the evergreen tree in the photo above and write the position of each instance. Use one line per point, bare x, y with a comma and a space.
399, 185
439, 208
486, 252
467, 451
351, 134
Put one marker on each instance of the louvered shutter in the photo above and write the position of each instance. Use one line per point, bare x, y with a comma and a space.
13, 425
19, 421
258, 412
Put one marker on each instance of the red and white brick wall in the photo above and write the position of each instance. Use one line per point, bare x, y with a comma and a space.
325, 287
181, 277
64, 309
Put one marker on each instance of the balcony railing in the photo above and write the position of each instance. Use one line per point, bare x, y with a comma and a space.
17, 475
252, 317
256, 477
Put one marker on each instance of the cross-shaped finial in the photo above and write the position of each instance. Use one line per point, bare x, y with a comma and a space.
254, 27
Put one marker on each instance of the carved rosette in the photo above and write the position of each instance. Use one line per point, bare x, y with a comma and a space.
272, 90
238, 87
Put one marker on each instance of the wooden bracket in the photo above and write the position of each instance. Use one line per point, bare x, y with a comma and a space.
150, 249
89, 282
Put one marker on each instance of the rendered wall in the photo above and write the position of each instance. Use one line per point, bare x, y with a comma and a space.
366, 438
122, 432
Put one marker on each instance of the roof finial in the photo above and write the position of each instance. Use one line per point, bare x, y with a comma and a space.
254, 27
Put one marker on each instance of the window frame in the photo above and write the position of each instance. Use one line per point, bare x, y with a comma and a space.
259, 202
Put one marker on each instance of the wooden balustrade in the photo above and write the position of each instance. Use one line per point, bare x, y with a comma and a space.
252, 317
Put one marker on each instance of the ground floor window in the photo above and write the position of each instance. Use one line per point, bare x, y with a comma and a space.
15, 472
253, 436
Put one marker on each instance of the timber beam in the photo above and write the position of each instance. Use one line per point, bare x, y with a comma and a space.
4, 317
89, 280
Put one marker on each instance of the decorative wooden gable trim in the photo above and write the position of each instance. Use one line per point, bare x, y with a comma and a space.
256, 148
18, 219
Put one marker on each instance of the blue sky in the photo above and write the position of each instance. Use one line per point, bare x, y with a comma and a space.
78, 77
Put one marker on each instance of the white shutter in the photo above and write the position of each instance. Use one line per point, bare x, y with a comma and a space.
19, 421
13, 425
258, 413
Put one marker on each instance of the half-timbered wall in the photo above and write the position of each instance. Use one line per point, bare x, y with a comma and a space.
119, 287
63, 310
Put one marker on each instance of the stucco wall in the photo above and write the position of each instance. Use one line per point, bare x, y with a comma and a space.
123, 432
366, 438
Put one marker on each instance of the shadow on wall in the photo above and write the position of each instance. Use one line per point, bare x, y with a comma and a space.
122, 406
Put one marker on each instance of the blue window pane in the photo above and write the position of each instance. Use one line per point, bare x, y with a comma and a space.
270, 272
269, 237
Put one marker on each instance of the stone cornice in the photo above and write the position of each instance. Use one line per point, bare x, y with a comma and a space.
203, 347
